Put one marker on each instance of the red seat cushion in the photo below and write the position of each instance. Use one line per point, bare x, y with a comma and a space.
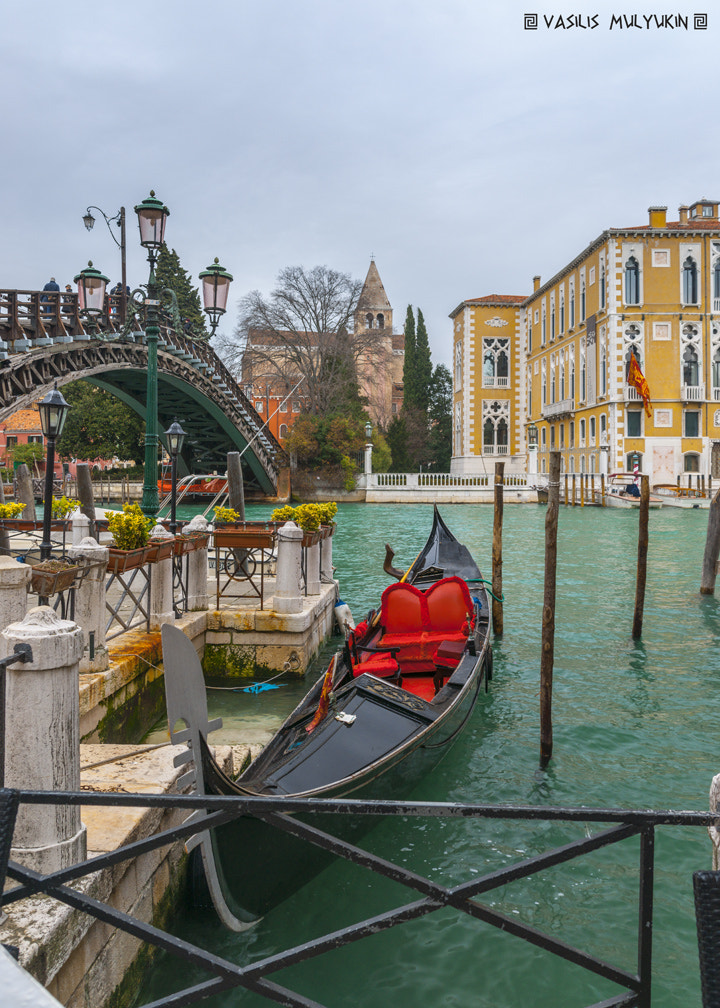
403, 609
449, 605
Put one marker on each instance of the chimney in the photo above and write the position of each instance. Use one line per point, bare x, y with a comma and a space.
683, 211
536, 283
658, 216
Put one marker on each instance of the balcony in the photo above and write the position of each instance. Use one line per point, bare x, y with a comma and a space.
491, 449
564, 407
693, 393
491, 381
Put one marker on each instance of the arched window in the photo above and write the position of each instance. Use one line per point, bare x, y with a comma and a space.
602, 285
592, 430
716, 285
283, 431
632, 346
582, 301
716, 369
381, 321
603, 429
552, 319
553, 387
562, 311
369, 320
632, 281
689, 281
572, 305
690, 366
582, 433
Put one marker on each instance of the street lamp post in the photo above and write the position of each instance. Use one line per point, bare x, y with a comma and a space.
152, 216
175, 436
215, 287
368, 449
91, 293
53, 412
119, 219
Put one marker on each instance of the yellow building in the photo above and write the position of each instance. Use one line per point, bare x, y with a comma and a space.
558, 359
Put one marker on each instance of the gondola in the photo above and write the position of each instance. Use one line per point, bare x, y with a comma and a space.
394, 698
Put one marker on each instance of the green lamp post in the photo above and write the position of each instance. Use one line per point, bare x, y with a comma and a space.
152, 216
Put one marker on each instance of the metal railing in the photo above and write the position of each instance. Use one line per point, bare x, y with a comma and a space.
427, 895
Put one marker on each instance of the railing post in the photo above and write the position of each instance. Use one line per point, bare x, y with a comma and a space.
14, 581
312, 567
288, 598
197, 569
90, 602
162, 608
43, 737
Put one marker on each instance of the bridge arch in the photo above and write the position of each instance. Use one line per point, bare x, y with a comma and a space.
193, 385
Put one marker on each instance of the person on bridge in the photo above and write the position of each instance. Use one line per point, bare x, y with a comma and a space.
51, 285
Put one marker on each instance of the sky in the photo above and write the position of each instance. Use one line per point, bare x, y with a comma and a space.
461, 148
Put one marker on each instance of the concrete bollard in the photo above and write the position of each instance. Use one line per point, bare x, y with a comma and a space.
90, 610
288, 597
14, 583
197, 569
80, 527
42, 743
312, 569
162, 607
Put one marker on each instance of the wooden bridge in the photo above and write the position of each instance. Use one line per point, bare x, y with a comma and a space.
44, 340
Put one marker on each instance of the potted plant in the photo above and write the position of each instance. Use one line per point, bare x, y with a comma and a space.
226, 516
63, 506
10, 517
130, 531
51, 576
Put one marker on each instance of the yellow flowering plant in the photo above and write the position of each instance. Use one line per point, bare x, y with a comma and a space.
11, 510
130, 528
226, 514
63, 506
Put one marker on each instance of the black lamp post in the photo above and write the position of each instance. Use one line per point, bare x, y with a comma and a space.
152, 216
175, 436
53, 413
119, 219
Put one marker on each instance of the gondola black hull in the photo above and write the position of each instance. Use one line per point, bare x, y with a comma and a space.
377, 741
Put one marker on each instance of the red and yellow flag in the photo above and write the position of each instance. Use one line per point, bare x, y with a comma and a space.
637, 379
324, 702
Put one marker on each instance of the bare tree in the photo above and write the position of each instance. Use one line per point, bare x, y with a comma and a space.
304, 330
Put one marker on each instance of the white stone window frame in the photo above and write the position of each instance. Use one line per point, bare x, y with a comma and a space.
690, 252
634, 251
691, 336
495, 345
496, 411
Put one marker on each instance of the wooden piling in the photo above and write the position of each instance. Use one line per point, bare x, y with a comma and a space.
567, 491
602, 490
548, 618
85, 495
24, 493
573, 491
641, 578
497, 608
712, 548
236, 488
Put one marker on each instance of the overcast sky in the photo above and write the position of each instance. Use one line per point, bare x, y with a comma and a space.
464, 151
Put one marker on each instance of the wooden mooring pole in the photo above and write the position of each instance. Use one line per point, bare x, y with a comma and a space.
497, 608
712, 548
548, 618
641, 556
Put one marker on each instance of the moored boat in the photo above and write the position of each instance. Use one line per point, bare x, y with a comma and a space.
681, 497
623, 491
191, 487
394, 698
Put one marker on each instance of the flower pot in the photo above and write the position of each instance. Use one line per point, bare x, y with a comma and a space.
243, 538
188, 542
52, 576
160, 549
124, 560
312, 538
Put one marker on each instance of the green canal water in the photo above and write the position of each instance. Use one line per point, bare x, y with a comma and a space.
634, 727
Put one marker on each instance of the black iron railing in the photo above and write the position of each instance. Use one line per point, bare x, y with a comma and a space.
429, 895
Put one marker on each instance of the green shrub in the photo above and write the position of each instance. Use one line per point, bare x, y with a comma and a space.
130, 528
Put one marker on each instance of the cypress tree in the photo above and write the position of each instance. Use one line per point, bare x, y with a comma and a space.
170, 273
409, 382
422, 366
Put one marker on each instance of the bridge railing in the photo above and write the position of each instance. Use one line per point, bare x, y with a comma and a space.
426, 895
